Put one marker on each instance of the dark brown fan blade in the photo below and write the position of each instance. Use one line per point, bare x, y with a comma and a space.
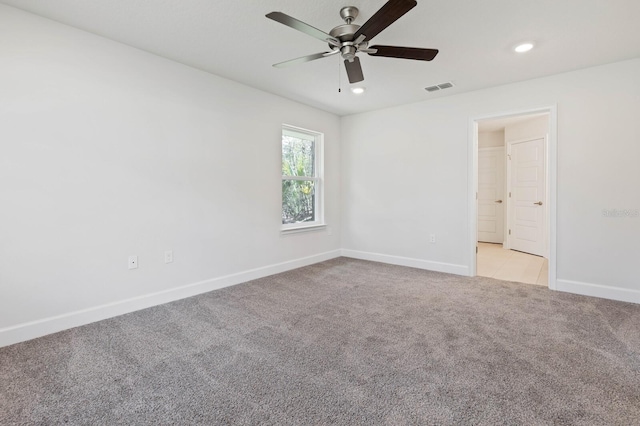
405, 52
302, 26
387, 15
354, 70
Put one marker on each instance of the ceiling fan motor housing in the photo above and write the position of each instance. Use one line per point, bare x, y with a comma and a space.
345, 33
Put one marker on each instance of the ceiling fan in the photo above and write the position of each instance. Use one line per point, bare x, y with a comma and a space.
350, 39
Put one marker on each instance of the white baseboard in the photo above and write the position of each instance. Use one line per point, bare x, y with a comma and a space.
598, 290
449, 268
31, 330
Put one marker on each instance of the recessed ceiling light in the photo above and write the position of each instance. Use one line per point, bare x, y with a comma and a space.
357, 90
524, 47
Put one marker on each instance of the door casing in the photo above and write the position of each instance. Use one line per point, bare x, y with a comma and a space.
551, 184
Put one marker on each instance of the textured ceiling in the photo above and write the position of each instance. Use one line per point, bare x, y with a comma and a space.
233, 39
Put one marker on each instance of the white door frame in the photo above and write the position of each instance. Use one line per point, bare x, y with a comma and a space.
552, 164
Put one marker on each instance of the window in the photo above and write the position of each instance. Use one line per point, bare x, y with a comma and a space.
301, 178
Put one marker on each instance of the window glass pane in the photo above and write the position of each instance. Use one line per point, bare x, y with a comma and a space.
298, 156
298, 201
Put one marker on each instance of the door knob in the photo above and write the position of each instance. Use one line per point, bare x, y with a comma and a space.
499, 201
539, 203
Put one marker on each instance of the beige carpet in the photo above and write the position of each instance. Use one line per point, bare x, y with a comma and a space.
342, 342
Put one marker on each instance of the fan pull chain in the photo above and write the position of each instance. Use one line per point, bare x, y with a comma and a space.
339, 77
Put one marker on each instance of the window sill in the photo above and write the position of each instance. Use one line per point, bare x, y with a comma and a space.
301, 229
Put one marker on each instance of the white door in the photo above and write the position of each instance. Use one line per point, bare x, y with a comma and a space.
491, 195
527, 196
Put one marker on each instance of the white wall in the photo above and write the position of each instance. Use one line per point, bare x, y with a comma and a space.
108, 151
405, 174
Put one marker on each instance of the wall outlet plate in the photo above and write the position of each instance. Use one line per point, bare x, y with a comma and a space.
133, 262
168, 256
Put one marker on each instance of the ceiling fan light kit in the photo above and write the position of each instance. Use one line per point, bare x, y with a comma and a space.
350, 39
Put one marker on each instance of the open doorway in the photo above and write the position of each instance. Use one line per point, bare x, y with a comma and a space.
513, 185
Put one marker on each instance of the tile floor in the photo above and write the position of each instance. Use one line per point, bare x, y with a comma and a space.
509, 265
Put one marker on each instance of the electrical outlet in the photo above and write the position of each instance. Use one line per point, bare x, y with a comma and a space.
329, 230
168, 256
133, 262
432, 238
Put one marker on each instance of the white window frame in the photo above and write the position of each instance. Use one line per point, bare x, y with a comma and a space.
318, 180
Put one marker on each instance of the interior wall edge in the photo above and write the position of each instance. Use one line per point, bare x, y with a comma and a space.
31, 330
598, 290
567, 286
430, 265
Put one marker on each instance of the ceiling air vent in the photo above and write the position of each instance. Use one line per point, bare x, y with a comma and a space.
440, 86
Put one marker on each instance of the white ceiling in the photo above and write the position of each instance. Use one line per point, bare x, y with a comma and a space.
233, 39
